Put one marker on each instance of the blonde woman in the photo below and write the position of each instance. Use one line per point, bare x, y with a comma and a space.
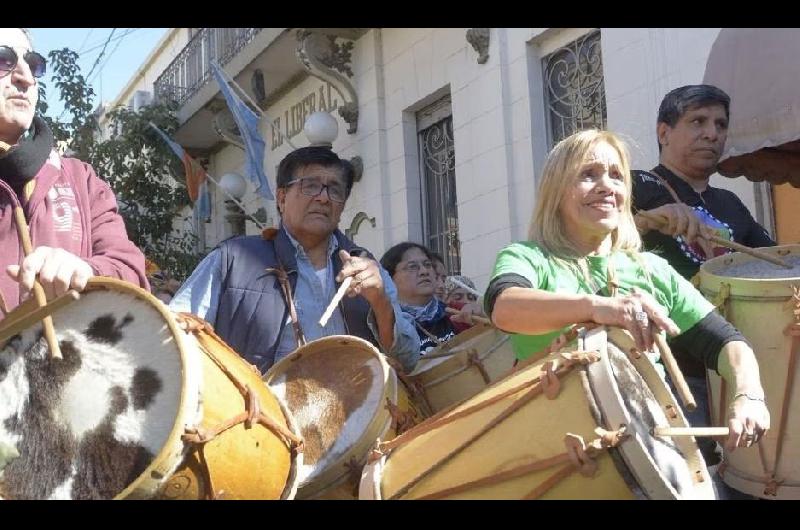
582, 244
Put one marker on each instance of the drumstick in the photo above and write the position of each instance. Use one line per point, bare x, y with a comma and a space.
760, 254
465, 286
38, 292
475, 318
336, 299
675, 372
9, 328
690, 431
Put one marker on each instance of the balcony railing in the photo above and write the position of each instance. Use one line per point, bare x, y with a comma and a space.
192, 67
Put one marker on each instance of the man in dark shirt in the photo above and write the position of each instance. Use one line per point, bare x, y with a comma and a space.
692, 128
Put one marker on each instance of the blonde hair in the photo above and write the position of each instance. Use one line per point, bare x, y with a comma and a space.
562, 166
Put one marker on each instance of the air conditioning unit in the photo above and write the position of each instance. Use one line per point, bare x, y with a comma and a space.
141, 98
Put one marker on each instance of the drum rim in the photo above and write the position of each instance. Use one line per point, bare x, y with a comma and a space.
173, 451
615, 413
436, 363
709, 270
381, 421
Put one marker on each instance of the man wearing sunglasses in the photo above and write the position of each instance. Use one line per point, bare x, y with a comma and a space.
72, 214
245, 287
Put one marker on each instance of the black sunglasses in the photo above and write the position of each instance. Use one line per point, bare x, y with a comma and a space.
9, 58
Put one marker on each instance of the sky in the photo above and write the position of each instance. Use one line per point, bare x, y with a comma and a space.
125, 52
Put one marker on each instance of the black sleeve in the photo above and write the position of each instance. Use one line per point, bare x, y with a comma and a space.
648, 193
705, 340
639, 200
756, 236
500, 284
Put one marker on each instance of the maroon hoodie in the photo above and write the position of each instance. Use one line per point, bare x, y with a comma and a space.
71, 208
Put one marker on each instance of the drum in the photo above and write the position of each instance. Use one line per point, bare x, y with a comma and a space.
461, 367
344, 396
574, 425
763, 302
143, 404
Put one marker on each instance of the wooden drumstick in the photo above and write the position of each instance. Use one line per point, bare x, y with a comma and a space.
9, 328
675, 372
464, 286
690, 431
475, 318
336, 299
760, 254
38, 292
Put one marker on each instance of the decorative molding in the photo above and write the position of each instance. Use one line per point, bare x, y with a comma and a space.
356, 224
323, 58
225, 126
479, 39
338, 56
358, 168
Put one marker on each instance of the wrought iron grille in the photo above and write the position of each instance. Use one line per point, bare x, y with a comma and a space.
437, 154
574, 89
190, 70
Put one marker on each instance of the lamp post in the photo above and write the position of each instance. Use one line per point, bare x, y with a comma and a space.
321, 129
236, 186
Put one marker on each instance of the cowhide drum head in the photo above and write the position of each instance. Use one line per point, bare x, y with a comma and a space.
645, 413
334, 387
86, 426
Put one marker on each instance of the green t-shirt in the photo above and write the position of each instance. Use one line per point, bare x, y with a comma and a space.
684, 304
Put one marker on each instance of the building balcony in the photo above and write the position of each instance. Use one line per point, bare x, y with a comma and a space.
262, 61
191, 69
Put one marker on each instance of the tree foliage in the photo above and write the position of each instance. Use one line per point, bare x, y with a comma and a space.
144, 173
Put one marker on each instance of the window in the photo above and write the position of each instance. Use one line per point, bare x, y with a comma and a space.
437, 161
574, 92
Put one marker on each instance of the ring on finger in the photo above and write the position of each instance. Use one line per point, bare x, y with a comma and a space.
641, 317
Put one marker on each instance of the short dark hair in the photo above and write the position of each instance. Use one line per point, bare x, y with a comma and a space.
306, 156
392, 257
678, 101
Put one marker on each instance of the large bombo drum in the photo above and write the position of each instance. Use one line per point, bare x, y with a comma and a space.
461, 367
143, 404
574, 425
762, 301
344, 396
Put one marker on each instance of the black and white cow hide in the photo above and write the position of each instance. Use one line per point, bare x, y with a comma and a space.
81, 425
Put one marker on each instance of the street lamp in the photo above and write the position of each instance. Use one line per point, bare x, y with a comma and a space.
235, 186
321, 129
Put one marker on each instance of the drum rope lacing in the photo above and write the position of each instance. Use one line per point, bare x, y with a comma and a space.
401, 420
416, 388
771, 481
199, 436
576, 457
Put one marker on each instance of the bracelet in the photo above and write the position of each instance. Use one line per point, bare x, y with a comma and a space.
748, 396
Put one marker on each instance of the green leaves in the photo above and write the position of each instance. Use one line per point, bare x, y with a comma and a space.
146, 176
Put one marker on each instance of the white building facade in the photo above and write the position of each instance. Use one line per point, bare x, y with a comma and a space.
452, 126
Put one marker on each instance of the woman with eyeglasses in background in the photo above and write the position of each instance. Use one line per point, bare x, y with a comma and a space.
74, 225
413, 271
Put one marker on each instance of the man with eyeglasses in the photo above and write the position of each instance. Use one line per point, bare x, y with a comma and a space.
245, 286
72, 214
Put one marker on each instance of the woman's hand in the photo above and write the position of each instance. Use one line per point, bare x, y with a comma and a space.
748, 421
466, 313
638, 312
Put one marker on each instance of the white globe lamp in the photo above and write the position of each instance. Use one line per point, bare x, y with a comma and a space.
234, 184
321, 129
